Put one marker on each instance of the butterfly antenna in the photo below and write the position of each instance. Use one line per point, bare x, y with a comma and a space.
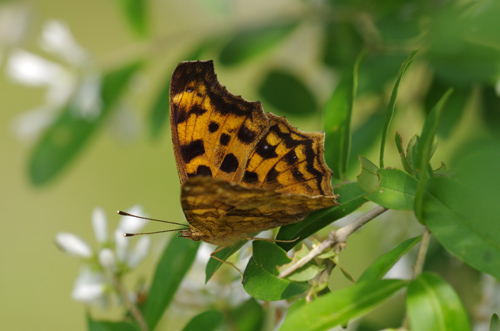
155, 232
123, 213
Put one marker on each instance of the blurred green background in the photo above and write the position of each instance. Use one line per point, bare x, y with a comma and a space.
122, 165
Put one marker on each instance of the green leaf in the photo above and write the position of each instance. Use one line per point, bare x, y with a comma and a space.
424, 151
465, 222
135, 12
391, 108
260, 276
432, 304
338, 307
71, 131
383, 264
249, 43
213, 265
378, 70
454, 108
411, 152
404, 158
249, 316
457, 50
368, 178
94, 325
364, 138
342, 42
490, 109
395, 191
308, 271
287, 93
495, 323
207, 321
173, 265
351, 197
337, 122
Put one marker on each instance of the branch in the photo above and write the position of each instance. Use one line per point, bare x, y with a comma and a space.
338, 237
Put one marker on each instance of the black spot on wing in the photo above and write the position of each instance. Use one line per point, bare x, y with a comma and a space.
183, 116
192, 150
297, 174
245, 135
203, 171
310, 155
265, 150
230, 163
291, 157
250, 177
224, 139
197, 110
213, 126
272, 175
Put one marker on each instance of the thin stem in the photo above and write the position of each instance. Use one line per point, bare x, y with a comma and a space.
344, 232
419, 265
338, 237
134, 311
422, 252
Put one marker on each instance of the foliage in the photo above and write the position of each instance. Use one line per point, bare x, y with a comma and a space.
362, 45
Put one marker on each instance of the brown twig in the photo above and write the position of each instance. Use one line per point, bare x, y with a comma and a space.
334, 238
134, 311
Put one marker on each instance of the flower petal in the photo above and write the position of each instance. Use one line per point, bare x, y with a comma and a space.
100, 224
107, 259
121, 245
73, 245
58, 40
87, 99
139, 252
90, 286
130, 224
14, 19
28, 126
30, 69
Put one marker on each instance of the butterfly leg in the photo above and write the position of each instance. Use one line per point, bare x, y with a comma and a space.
273, 240
212, 255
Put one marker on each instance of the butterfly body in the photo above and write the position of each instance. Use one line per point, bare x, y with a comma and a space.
241, 171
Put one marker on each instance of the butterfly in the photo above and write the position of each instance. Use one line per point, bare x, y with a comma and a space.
241, 171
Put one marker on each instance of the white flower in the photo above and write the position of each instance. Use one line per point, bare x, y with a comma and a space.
58, 40
102, 269
100, 225
30, 69
130, 224
107, 259
75, 83
121, 245
31, 123
89, 287
139, 252
87, 98
13, 23
73, 245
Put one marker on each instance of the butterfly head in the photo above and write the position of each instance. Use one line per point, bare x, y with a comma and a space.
192, 233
